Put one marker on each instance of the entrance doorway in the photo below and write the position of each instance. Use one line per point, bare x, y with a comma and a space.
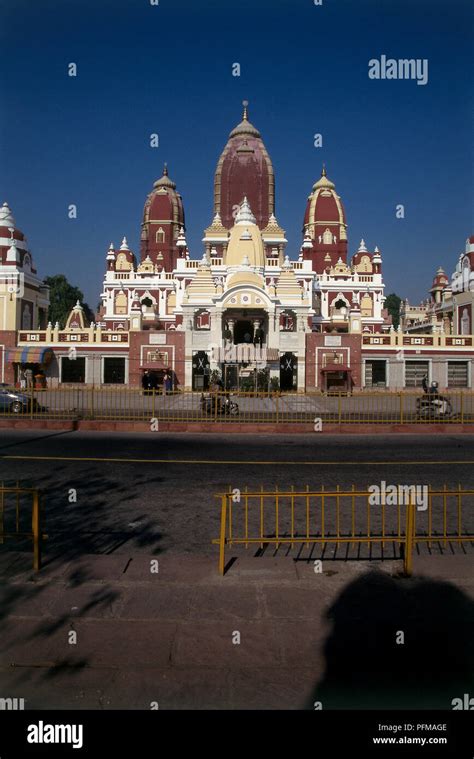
201, 371
288, 371
243, 332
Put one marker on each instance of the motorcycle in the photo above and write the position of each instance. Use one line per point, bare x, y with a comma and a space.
213, 404
432, 405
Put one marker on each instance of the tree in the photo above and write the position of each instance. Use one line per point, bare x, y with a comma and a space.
62, 297
392, 304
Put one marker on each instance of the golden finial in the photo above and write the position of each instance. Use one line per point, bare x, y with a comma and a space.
245, 104
323, 173
165, 169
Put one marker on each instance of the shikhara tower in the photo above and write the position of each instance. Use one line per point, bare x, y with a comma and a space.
163, 219
244, 169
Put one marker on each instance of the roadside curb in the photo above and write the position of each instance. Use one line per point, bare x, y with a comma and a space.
235, 427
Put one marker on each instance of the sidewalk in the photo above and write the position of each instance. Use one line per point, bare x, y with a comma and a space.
168, 637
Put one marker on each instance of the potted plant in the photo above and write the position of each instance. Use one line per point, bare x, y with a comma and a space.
274, 385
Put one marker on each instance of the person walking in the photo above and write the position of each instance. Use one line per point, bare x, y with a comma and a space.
22, 378
165, 383
169, 382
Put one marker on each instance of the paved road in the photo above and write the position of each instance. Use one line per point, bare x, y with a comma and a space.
170, 636
156, 491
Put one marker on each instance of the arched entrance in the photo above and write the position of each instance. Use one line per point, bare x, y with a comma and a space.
288, 371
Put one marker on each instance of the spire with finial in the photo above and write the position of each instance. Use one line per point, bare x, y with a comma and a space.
244, 214
323, 182
245, 127
164, 180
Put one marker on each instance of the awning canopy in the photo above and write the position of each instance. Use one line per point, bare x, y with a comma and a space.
336, 368
34, 355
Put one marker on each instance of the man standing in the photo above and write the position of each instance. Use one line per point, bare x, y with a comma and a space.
29, 377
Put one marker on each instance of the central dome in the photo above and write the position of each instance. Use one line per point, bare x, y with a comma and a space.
244, 169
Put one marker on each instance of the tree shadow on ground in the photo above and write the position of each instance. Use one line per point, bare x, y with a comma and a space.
365, 666
103, 520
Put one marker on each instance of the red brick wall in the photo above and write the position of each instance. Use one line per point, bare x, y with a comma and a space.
173, 344
7, 340
315, 349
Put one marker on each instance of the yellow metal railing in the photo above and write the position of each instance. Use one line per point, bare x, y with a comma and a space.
343, 518
119, 403
14, 494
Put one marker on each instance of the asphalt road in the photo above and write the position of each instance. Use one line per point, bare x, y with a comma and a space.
156, 492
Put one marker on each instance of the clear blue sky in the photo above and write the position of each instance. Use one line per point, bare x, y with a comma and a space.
168, 69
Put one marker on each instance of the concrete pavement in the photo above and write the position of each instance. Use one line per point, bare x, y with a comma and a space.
187, 638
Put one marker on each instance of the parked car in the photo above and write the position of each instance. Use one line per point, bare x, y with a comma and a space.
15, 402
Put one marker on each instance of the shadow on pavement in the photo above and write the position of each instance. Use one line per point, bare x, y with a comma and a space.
365, 666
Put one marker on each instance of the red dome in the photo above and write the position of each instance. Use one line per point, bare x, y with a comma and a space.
163, 217
325, 223
440, 279
244, 169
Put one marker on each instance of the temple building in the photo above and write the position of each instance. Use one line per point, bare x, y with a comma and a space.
450, 307
243, 305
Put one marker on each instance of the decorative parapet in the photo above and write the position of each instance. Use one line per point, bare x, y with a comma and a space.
378, 340
418, 340
459, 341
90, 335
402, 340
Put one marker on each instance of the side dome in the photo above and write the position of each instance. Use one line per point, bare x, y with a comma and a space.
163, 218
440, 280
244, 169
13, 243
324, 225
324, 206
